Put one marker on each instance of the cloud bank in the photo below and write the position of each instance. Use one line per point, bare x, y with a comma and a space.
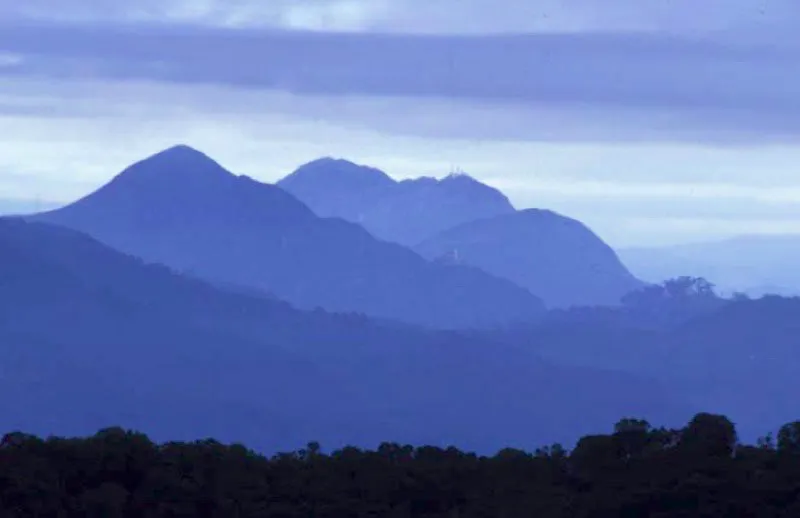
674, 88
746, 18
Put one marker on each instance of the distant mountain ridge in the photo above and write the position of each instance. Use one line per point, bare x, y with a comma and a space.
459, 221
404, 212
556, 257
180, 208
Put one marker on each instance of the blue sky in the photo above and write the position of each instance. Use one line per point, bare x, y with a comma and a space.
652, 121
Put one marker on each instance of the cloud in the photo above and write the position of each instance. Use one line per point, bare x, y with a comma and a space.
522, 145
76, 134
340, 15
746, 18
676, 88
9, 60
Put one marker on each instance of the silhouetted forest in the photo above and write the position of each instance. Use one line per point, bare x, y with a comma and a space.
635, 471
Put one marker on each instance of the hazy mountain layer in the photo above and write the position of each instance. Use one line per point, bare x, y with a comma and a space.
91, 337
404, 212
556, 257
182, 209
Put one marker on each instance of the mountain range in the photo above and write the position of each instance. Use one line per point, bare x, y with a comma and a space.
404, 212
92, 337
185, 300
460, 221
184, 210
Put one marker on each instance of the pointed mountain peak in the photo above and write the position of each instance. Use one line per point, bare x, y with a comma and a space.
181, 149
178, 164
181, 153
329, 171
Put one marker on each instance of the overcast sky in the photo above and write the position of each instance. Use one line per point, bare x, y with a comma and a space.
653, 121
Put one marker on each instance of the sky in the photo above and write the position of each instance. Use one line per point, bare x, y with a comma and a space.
653, 121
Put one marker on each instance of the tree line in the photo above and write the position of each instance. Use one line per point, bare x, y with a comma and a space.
635, 471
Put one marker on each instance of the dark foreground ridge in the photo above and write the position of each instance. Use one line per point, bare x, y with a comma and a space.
636, 471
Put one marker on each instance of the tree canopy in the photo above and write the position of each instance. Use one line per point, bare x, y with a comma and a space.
637, 470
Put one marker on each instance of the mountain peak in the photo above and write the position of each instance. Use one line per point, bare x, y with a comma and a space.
405, 211
178, 186
179, 163
181, 152
459, 177
181, 148
331, 172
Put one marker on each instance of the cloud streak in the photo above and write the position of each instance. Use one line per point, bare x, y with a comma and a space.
744, 18
685, 84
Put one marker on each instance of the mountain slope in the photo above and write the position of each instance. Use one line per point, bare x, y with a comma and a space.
404, 212
91, 338
556, 257
182, 209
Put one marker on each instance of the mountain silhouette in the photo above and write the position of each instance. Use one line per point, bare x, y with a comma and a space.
556, 257
404, 212
184, 210
92, 337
